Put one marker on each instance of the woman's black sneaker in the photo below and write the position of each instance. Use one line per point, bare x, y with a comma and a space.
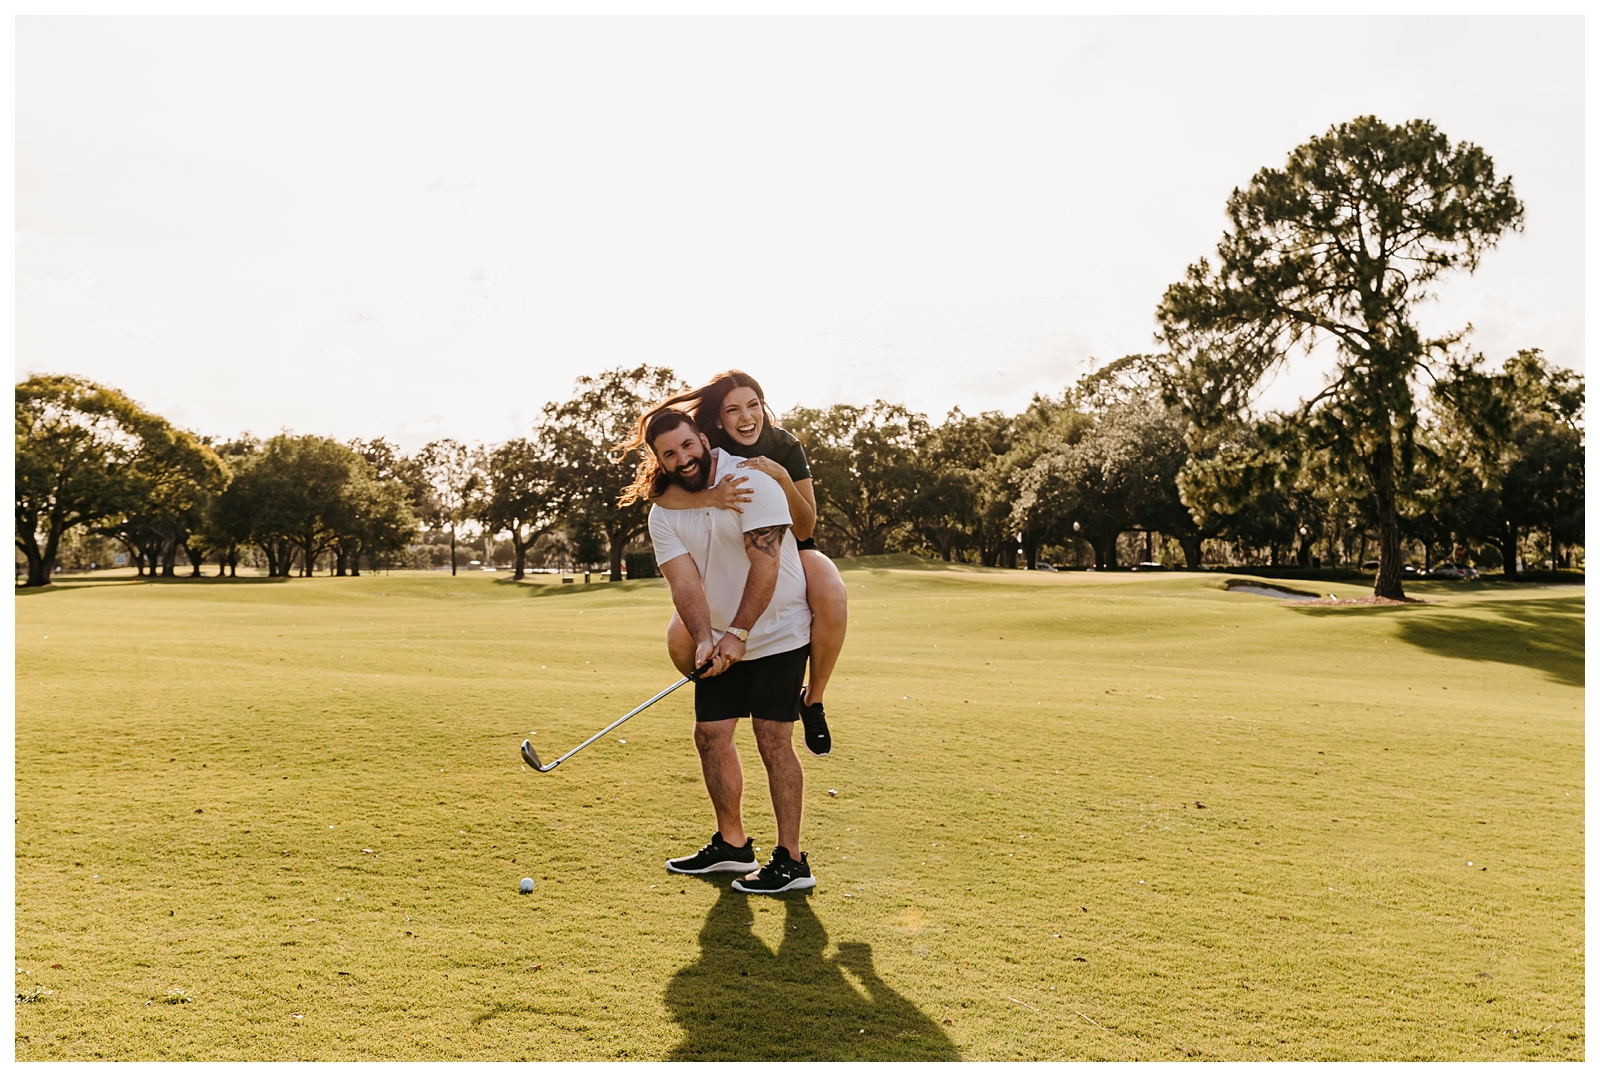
718, 855
818, 740
778, 875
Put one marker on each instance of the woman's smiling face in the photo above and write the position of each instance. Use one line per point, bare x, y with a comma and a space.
741, 417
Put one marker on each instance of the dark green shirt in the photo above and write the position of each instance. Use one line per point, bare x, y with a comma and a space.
776, 444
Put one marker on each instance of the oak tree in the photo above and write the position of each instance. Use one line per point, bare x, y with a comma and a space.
582, 436
520, 491
1340, 246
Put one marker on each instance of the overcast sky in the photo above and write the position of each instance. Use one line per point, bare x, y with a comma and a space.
426, 227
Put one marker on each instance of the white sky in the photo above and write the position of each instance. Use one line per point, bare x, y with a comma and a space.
426, 227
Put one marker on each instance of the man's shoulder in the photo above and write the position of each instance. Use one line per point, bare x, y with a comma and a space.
768, 506
660, 514
760, 480
728, 464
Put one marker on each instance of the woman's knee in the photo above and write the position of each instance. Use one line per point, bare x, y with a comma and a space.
680, 645
826, 593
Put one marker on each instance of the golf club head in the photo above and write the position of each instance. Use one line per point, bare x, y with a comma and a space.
531, 757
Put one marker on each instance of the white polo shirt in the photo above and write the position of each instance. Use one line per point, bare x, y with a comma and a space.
714, 540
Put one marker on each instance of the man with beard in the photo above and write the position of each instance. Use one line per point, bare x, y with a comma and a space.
739, 588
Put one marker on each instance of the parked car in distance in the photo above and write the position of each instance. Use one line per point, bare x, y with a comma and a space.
1369, 566
1044, 566
1452, 571
1149, 566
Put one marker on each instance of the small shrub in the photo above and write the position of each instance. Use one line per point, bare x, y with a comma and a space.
35, 993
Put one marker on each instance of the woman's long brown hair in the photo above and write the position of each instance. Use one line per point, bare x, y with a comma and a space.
703, 405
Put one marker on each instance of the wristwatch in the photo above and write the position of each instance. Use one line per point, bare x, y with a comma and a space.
742, 633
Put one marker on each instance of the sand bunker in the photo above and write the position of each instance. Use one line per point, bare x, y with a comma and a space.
1269, 590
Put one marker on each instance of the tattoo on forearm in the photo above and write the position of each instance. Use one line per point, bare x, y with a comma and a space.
767, 540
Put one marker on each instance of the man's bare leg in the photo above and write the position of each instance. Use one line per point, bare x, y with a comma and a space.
719, 763
785, 780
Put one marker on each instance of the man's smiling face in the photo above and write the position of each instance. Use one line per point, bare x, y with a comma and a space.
685, 456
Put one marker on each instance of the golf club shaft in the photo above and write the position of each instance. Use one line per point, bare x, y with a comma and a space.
658, 697
647, 703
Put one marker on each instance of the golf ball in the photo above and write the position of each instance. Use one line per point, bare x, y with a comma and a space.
526, 886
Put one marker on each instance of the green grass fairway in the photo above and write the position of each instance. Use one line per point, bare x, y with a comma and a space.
1077, 816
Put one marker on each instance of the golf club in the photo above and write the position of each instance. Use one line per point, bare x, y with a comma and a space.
531, 757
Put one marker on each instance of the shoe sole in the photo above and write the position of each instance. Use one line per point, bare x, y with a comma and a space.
725, 865
793, 884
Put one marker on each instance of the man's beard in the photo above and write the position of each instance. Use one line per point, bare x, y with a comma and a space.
696, 482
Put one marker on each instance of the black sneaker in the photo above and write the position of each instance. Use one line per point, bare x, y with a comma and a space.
718, 855
818, 740
778, 875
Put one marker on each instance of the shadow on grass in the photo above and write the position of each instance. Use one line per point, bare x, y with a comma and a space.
883, 562
61, 586
741, 1001
545, 590
1545, 634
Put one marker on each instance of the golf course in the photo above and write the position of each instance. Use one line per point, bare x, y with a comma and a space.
1067, 816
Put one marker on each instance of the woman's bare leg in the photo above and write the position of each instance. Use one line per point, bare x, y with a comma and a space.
829, 602
680, 645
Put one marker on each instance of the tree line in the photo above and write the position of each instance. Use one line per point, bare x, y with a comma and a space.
1073, 478
92, 462
1498, 458
1413, 445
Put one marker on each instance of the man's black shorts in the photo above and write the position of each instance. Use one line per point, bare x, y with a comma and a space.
765, 687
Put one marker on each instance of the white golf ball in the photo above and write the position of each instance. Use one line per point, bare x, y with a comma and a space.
526, 886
